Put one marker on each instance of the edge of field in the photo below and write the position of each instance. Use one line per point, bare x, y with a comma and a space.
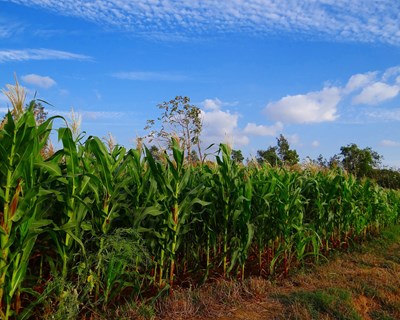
361, 283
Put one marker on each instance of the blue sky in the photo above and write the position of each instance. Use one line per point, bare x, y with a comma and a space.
322, 73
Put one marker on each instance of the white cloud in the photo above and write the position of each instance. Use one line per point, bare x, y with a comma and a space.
221, 126
261, 130
149, 76
368, 88
212, 104
315, 144
215, 104
313, 107
374, 21
39, 81
390, 143
39, 54
390, 73
376, 93
360, 80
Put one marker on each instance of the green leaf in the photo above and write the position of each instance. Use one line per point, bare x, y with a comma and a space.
50, 167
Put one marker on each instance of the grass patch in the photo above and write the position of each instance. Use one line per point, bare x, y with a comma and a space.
381, 315
333, 302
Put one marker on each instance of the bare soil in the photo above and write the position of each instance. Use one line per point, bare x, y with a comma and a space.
363, 283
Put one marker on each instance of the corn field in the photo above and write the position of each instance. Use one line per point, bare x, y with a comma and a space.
110, 223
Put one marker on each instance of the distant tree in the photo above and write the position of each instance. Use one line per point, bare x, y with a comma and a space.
156, 153
39, 111
334, 162
321, 161
194, 157
279, 155
386, 178
287, 155
237, 156
269, 156
179, 119
359, 162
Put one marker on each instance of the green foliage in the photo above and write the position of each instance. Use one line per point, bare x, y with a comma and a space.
269, 156
386, 178
279, 155
359, 162
22, 201
237, 156
286, 155
118, 222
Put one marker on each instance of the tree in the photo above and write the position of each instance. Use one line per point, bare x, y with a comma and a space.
194, 157
359, 162
180, 119
237, 156
270, 156
279, 155
286, 155
39, 112
156, 153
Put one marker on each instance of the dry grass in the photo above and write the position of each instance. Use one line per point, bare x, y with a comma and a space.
363, 284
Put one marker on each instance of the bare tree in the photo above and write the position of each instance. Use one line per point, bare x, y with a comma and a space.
180, 119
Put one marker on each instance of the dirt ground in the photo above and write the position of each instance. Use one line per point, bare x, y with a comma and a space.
361, 284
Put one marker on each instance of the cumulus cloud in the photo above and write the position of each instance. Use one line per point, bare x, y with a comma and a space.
360, 80
313, 107
376, 93
212, 104
375, 21
39, 54
261, 130
221, 125
368, 89
39, 81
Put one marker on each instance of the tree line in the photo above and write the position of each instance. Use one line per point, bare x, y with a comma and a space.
182, 119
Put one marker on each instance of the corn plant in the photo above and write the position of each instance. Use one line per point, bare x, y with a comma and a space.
228, 194
264, 184
22, 202
74, 200
176, 202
